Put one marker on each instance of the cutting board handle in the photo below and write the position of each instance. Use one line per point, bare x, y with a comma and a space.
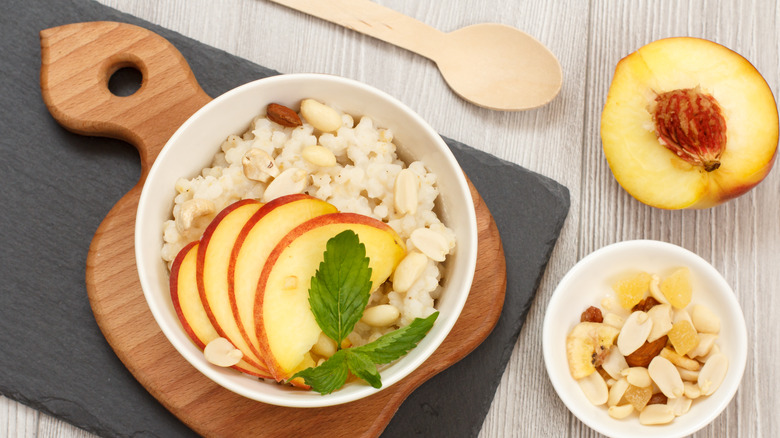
77, 63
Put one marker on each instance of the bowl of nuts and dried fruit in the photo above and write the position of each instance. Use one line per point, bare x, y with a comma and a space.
644, 339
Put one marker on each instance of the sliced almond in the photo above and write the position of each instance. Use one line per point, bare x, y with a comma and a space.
614, 363
680, 361
712, 373
291, 181
595, 388
665, 375
222, 353
634, 332
430, 243
662, 321
656, 414
688, 375
655, 291
691, 390
405, 192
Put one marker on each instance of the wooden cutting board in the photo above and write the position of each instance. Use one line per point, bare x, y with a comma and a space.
78, 60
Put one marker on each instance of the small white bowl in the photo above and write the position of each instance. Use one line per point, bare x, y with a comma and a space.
590, 280
192, 148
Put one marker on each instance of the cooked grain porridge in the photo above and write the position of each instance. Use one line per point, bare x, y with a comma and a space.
367, 177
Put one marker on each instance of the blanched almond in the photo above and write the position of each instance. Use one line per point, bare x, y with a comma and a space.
325, 346
634, 332
405, 192
320, 116
655, 291
712, 373
656, 414
688, 375
222, 353
614, 320
706, 341
595, 388
620, 412
319, 156
409, 270
430, 243
665, 375
638, 376
705, 320
382, 315
691, 390
662, 321
679, 405
616, 392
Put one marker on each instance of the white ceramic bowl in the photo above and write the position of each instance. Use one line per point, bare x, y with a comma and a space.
194, 144
590, 280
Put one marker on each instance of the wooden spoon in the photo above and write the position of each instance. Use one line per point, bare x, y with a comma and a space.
490, 65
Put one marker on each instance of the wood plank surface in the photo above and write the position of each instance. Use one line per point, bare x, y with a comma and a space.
561, 140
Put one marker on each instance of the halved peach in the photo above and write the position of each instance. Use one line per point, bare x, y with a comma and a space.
189, 308
285, 324
688, 123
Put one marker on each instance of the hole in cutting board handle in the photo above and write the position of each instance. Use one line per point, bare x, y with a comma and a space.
125, 81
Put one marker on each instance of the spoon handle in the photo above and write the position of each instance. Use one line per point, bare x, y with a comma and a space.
374, 20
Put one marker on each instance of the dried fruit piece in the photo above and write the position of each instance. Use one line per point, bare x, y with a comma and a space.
592, 314
658, 399
638, 397
634, 332
645, 305
282, 115
644, 354
586, 347
631, 291
677, 288
683, 337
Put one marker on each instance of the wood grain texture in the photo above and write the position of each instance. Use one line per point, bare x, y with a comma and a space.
74, 87
561, 140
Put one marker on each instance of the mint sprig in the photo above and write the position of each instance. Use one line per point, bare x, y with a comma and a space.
362, 361
340, 288
338, 295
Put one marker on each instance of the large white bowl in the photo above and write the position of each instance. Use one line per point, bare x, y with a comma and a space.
590, 280
193, 146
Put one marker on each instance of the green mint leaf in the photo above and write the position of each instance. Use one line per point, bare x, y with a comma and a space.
362, 361
341, 286
329, 376
361, 365
398, 342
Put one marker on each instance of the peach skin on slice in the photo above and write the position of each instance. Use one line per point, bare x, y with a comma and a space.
189, 308
285, 325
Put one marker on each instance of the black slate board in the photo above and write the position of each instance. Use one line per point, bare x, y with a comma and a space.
56, 192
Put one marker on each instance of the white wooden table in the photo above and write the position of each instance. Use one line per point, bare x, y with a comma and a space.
561, 140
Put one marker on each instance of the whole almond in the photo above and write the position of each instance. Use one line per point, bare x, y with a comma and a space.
282, 115
644, 354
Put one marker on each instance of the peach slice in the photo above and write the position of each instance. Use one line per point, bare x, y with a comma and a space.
688, 123
213, 262
189, 308
285, 325
254, 243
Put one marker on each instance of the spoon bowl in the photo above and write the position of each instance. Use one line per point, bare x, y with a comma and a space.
490, 65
